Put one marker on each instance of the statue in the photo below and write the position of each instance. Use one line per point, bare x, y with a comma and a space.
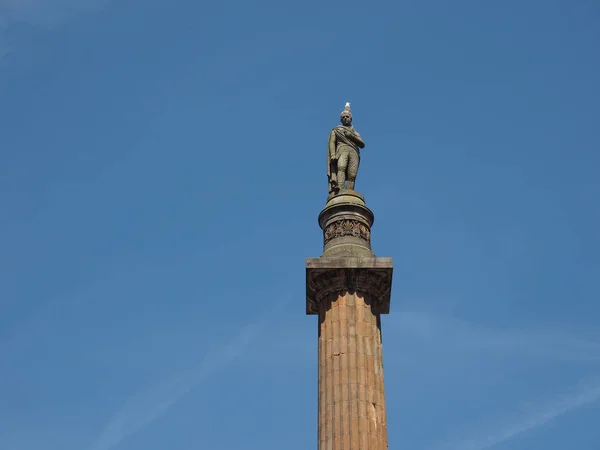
343, 155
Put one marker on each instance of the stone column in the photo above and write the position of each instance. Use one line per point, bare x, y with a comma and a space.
349, 288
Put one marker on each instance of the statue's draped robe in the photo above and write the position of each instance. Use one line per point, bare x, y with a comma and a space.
337, 138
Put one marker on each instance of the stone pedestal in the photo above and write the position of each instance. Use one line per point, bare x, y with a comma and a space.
349, 288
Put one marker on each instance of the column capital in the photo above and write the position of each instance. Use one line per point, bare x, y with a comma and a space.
369, 276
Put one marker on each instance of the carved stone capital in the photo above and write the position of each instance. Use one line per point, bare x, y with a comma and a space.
369, 277
346, 227
346, 221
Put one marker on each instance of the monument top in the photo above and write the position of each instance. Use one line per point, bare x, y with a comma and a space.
343, 154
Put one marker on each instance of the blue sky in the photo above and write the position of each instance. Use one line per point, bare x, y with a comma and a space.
163, 166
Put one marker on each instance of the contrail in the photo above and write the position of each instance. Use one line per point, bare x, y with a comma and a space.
587, 393
152, 403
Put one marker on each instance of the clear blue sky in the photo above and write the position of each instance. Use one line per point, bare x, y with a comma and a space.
162, 169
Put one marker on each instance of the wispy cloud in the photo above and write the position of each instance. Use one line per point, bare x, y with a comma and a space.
584, 394
451, 337
45, 13
437, 331
19, 17
150, 404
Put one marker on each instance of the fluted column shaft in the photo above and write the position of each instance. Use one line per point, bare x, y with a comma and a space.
348, 287
351, 391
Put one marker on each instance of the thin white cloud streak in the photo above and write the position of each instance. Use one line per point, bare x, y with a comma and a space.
450, 337
586, 394
25, 15
45, 13
439, 332
150, 404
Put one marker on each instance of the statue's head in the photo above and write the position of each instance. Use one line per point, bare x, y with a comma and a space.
346, 118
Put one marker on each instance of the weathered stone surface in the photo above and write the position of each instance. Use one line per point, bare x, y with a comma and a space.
347, 227
349, 288
352, 412
343, 154
370, 277
346, 223
349, 294
349, 263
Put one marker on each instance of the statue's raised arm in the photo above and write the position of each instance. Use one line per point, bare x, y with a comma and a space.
343, 154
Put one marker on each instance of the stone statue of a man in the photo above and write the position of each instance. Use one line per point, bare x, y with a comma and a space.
343, 154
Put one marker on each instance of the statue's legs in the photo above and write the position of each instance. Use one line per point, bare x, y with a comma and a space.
342, 165
353, 160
